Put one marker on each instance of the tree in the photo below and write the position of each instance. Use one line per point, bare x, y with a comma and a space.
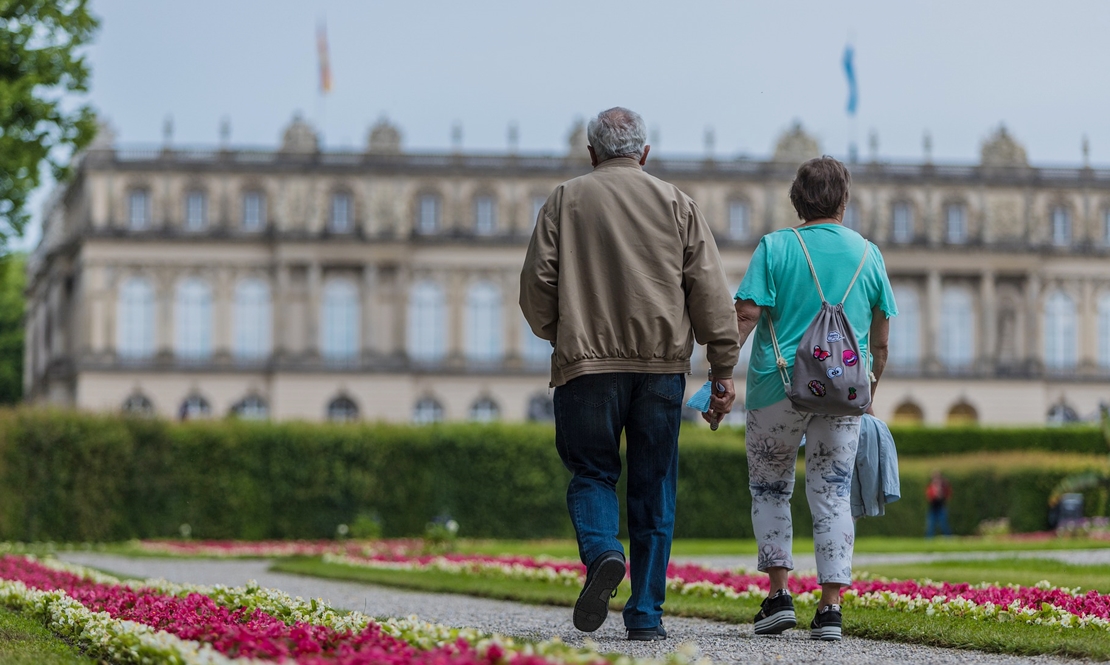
12, 283
40, 65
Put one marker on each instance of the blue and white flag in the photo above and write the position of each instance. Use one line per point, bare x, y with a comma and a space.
850, 72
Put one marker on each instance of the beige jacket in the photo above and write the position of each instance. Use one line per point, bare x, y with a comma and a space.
622, 275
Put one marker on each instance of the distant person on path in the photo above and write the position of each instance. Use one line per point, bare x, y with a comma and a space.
937, 494
779, 290
621, 276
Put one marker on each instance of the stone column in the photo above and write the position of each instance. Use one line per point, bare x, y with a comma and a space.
222, 295
1088, 327
932, 320
988, 337
369, 342
513, 347
313, 311
457, 283
1034, 353
279, 317
164, 315
399, 311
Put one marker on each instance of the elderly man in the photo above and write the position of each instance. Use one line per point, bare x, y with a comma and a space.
621, 276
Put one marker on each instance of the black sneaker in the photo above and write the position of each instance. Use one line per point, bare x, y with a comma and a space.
602, 579
648, 634
776, 615
826, 624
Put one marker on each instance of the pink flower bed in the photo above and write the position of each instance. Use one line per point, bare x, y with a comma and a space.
1091, 603
249, 633
280, 548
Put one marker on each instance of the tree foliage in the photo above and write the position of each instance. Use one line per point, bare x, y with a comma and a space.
12, 282
41, 68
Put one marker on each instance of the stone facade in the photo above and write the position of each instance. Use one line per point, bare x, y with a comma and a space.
307, 284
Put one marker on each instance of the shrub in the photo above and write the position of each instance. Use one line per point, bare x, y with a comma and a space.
79, 477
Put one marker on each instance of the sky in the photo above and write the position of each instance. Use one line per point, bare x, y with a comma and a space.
954, 69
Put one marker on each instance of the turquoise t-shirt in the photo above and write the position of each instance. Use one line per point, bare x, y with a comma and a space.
779, 280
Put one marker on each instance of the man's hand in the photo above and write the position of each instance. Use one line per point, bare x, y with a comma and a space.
720, 404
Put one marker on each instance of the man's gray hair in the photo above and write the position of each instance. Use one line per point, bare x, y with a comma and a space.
617, 132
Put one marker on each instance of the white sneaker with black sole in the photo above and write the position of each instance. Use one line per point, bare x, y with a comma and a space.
826, 624
776, 614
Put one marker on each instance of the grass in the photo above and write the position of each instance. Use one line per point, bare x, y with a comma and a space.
1025, 572
566, 549
24, 641
942, 631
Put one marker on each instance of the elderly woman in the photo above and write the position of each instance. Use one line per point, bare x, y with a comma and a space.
778, 295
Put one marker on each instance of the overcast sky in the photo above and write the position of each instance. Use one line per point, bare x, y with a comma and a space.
954, 68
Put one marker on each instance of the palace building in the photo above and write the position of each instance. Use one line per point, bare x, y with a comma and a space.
380, 284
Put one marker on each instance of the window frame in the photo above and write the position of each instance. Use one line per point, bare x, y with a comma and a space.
964, 226
424, 226
957, 361
340, 329
144, 223
432, 406
348, 206
132, 345
857, 213
193, 340
244, 221
1061, 229
744, 232
1061, 331
485, 409
351, 413
485, 221
252, 322
199, 223
484, 320
426, 334
908, 235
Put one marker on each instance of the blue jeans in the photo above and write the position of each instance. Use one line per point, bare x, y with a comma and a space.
937, 516
590, 413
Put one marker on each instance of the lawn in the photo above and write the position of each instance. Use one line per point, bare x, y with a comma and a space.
566, 549
24, 641
1025, 572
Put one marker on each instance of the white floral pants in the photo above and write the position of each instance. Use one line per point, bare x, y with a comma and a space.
773, 436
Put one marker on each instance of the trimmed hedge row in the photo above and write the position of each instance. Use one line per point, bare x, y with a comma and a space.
928, 441
76, 477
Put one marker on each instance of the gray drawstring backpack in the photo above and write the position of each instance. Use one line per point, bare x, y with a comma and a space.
832, 377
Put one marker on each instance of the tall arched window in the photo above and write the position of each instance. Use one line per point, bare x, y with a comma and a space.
957, 328
485, 214
852, 218
956, 223
339, 320
196, 210
902, 224
339, 215
138, 209
427, 330
252, 320
536, 351
1104, 330
1061, 333
135, 319
1061, 226
483, 322
427, 213
905, 329
739, 220
193, 318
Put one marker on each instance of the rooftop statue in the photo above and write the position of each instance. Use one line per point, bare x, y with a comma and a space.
384, 138
300, 137
796, 146
1001, 149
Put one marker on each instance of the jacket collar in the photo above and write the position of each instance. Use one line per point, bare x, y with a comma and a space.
620, 162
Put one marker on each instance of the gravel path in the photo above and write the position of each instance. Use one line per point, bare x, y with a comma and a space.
723, 643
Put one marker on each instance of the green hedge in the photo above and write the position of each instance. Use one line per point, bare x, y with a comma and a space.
76, 477
928, 441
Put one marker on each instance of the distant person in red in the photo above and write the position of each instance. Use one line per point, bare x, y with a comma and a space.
937, 494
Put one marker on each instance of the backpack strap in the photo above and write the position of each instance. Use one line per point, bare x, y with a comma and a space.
780, 362
866, 249
812, 270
